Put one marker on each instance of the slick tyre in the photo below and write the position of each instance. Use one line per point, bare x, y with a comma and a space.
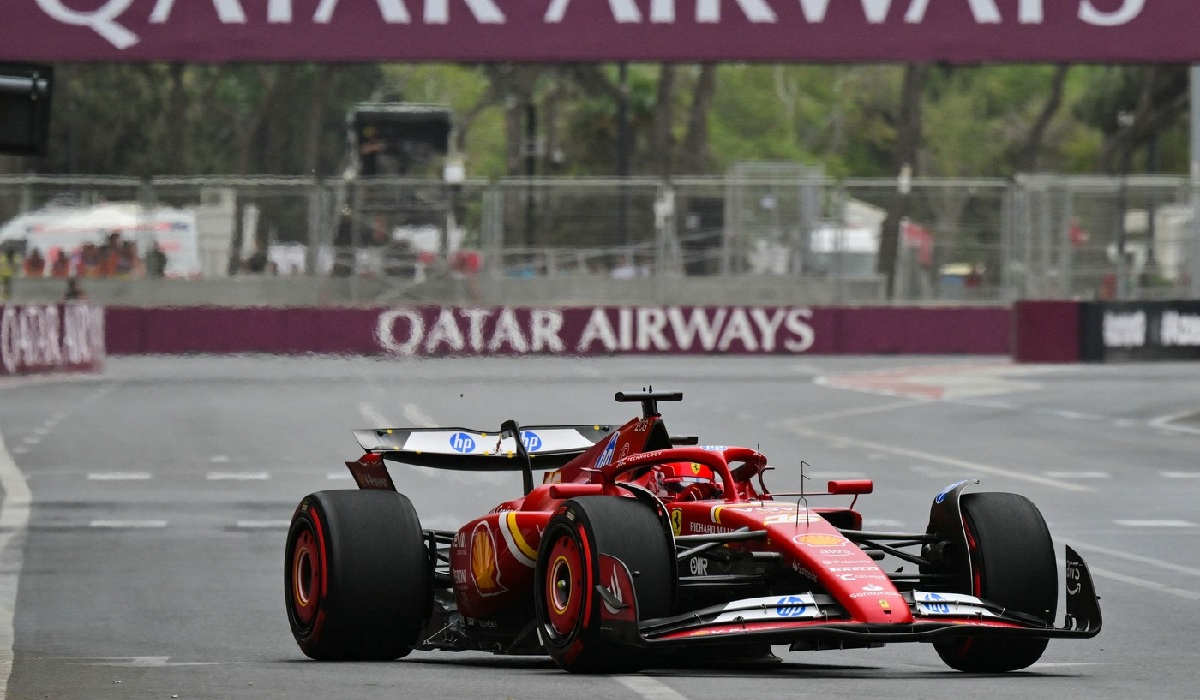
1012, 560
356, 576
568, 607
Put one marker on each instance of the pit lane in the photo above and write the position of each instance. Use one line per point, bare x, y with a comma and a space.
160, 490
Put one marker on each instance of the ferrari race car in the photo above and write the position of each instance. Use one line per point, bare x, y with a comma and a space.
639, 545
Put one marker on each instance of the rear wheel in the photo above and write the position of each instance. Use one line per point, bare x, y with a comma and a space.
356, 576
568, 605
1012, 563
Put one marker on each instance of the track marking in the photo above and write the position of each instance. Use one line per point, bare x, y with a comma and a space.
1168, 423
1155, 523
143, 662
417, 417
118, 476
929, 457
264, 524
338, 476
1181, 475
649, 688
14, 521
237, 476
127, 524
219, 459
1143, 583
793, 422
1076, 415
1077, 475
1138, 558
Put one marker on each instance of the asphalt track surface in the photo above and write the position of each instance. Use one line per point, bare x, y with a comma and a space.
148, 561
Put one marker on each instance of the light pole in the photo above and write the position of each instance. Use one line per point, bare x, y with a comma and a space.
454, 173
1124, 120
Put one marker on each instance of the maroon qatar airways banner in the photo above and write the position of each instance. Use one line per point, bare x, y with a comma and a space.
1115, 31
50, 337
436, 331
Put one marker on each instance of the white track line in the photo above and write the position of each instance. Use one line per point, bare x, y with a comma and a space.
118, 476
648, 688
1143, 583
14, 522
1127, 556
929, 457
127, 524
237, 476
1155, 523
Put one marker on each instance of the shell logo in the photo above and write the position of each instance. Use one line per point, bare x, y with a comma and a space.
817, 539
484, 566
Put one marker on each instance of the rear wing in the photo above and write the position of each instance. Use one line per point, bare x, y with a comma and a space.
466, 449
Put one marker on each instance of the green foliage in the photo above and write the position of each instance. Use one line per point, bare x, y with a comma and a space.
159, 119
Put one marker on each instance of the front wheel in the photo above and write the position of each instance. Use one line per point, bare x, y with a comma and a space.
356, 577
1012, 562
568, 604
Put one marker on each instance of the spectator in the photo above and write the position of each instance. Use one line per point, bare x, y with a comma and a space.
257, 262
156, 261
35, 264
60, 264
8, 267
74, 291
126, 262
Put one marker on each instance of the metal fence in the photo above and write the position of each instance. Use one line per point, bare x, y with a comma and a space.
1037, 236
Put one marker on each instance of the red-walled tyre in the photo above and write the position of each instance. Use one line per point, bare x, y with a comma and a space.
1012, 558
566, 578
356, 576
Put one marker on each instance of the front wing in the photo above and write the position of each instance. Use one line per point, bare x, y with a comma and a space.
816, 621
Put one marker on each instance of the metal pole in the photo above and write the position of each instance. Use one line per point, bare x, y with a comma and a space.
623, 151
1194, 249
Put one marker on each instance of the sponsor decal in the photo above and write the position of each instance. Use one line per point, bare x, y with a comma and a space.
872, 588
884, 604
790, 606
461, 442
40, 338
932, 605
1126, 330
485, 568
698, 566
714, 448
1074, 577
873, 594
837, 569
820, 539
531, 440
707, 529
862, 577
1178, 329
614, 587
792, 517
803, 571
696, 467
606, 457
518, 546
434, 331
677, 521
946, 491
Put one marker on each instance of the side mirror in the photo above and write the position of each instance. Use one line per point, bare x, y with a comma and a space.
25, 109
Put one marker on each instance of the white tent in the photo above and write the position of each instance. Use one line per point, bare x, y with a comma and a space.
69, 228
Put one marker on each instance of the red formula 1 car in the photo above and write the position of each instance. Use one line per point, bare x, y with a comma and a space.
638, 545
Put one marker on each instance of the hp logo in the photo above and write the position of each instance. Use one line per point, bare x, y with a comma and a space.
461, 442
790, 606
533, 441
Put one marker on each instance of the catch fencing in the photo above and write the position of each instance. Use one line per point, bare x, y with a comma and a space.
959, 240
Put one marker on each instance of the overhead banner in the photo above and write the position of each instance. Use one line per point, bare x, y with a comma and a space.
1107, 31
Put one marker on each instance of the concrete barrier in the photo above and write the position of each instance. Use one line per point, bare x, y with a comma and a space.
39, 338
435, 331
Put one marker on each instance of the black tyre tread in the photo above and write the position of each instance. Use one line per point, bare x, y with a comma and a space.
379, 587
1015, 553
632, 532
